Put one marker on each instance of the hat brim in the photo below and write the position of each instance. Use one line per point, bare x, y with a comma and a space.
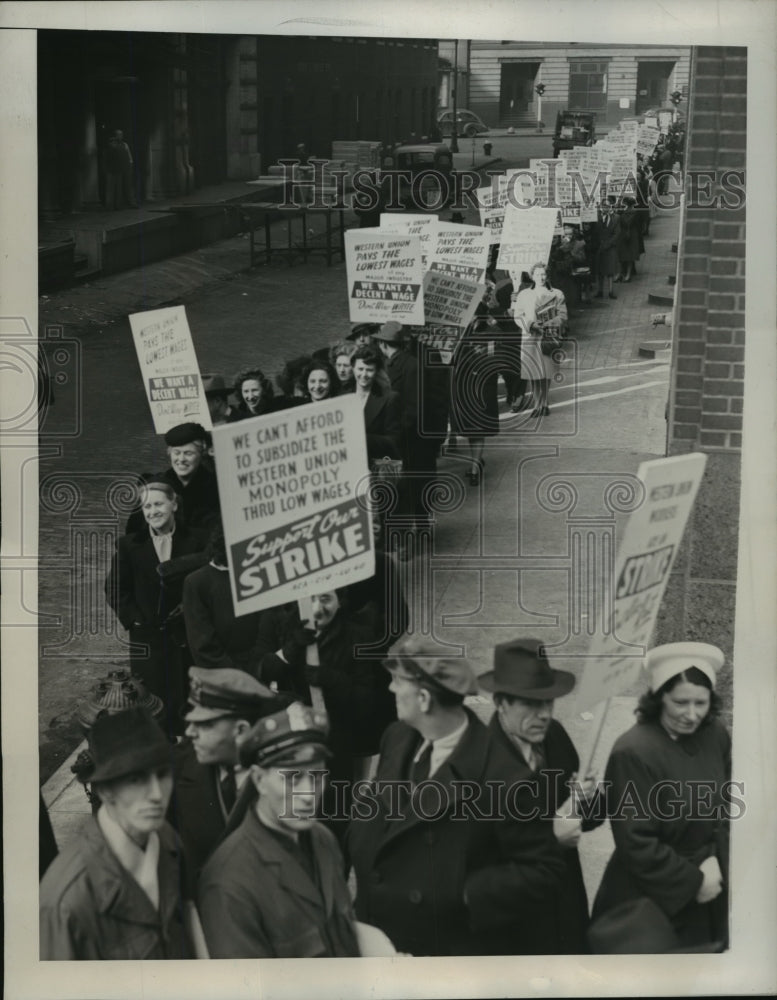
198, 713
135, 759
564, 682
302, 755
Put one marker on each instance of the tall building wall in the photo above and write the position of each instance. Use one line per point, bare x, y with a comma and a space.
707, 392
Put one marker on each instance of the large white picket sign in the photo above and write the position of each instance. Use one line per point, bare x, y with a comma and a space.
644, 560
290, 485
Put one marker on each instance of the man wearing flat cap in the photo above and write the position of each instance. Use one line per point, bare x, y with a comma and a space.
119, 889
524, 688
194, 483
210, 786
275, 887
442, 867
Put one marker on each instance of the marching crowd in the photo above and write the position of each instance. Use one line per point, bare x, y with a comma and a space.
310, 780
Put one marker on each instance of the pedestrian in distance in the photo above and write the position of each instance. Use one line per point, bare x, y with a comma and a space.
120, 889
671, 844
119, 181
275, 888
541, 311
606, 239
524, 688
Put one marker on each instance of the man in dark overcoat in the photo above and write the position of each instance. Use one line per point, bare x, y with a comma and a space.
451, 857
209, 785
524, 688
275, 887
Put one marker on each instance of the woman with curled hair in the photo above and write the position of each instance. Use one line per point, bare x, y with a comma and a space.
340, 355
320, 381
671, 838
254, 392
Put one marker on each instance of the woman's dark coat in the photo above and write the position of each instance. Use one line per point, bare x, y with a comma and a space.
660, 857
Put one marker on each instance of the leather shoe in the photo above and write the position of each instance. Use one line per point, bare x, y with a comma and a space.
599, 295
612, 295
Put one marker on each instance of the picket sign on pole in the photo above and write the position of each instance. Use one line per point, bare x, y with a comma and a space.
643, 564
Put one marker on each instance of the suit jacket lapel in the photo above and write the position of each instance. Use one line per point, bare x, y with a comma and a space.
372, 408
466, 763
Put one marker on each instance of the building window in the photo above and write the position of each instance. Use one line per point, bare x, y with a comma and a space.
587, 85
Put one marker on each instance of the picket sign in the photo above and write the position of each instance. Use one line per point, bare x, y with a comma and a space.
169, 369
643, 564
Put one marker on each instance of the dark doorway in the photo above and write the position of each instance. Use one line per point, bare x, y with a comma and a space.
652, 85
117, 105
516, 90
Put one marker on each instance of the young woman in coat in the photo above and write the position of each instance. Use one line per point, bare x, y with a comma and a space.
671, 841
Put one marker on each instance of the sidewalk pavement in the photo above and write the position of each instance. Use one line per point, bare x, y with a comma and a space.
478, 598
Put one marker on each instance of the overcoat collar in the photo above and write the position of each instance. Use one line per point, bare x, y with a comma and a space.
116, 892
466, 763
288, 871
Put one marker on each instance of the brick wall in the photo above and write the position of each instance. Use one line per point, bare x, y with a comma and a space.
706, 409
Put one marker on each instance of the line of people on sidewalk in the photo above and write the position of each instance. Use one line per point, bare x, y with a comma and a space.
462, 841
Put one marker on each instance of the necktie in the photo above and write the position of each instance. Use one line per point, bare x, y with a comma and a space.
228, 789
538, 755
420, 769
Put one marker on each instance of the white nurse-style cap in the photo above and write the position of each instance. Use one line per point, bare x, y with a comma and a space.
665, 662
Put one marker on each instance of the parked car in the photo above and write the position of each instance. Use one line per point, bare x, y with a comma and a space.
424, 161
574, 128
467, 123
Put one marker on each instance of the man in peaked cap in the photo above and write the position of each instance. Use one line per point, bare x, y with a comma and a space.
436, 849
275, 887
524, 687
195, 484
117, 890
210, 785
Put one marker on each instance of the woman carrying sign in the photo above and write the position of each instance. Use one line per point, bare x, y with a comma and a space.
541, 312
668, 797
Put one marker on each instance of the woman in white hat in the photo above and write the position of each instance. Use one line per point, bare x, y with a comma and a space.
669, 799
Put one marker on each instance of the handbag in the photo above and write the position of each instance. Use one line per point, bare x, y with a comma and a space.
551, 340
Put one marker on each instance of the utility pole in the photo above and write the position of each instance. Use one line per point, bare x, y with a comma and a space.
455, 132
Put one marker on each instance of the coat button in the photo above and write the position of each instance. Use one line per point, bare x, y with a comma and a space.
376, 878
415, 896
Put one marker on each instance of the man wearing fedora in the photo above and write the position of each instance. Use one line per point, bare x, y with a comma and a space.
217, 394
275, 887
442, 866
525, 687
116, 892
210, 786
